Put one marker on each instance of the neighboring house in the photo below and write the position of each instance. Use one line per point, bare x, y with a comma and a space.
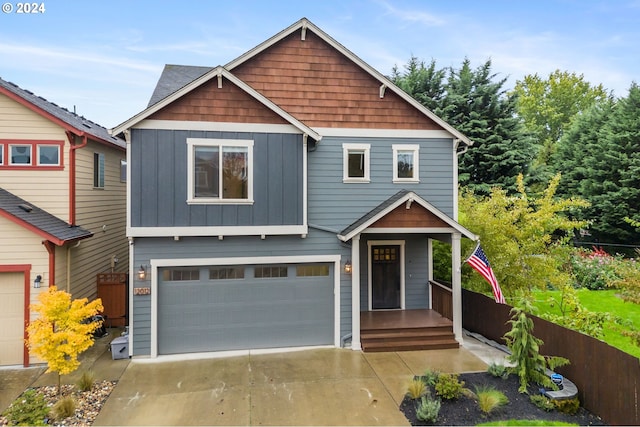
62, 209
275, 200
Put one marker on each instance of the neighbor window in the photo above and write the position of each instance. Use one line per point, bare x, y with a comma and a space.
268, 271
123, 170
356, 162
220, 170
405, 163
20, 155
1, 154
98, 170
48, 155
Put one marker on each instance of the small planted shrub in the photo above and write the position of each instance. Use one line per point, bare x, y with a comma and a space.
86, 380
417, 388
449, 386
498, 370
542, 402
30, 409
428, 409
490, 399
64, 408
431, 377
567, 406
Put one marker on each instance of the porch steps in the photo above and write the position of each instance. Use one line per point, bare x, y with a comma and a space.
406, 331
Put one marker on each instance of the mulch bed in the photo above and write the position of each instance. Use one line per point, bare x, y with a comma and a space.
465, 411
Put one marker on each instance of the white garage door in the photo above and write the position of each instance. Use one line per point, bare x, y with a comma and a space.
218, 308
11, 318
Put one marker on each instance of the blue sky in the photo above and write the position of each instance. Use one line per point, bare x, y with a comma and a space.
104, 57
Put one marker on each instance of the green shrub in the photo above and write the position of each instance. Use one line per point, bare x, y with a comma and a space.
417, 388
64, 408
542, 402
498, 370
594, 270
431, 377
85, 382
30, 409
490, 399
567, 406
449, 387
428, 409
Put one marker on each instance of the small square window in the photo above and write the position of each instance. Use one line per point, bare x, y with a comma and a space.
356, 161
20, 154
48, 155
405, 163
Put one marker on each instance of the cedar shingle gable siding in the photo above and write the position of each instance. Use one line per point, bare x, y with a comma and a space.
323, 88
208, 103
415, 217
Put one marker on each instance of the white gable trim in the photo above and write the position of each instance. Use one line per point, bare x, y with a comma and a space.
383, 133
217, 72
216, 126
304, 25
414, 198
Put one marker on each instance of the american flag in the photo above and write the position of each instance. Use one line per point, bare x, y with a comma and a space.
478, 260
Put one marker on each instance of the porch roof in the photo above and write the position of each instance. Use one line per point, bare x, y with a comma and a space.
405, 197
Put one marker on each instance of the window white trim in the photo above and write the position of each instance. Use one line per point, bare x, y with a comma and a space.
192, 143
346, 148
415, 149
10, 156
40, 146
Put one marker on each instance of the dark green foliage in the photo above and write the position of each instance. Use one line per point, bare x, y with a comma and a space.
530, 365
430, 377
542, 402
567, 406
449, 386
428, 409
30, 409
424, 83
498, 370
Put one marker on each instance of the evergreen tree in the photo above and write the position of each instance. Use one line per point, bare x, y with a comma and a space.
424, 83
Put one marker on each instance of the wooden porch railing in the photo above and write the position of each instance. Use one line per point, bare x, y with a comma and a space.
441, 299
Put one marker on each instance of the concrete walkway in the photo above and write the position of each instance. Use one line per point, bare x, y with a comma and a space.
323, 386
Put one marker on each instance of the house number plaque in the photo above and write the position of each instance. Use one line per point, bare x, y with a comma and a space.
142, 291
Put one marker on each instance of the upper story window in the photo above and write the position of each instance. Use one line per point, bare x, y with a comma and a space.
356, 160
27, 154
98, 170
220, 171
405, 163
123, 170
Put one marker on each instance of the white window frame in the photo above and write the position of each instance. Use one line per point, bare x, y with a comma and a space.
10, 157
192, 143
346, 148
415, 148
39, 146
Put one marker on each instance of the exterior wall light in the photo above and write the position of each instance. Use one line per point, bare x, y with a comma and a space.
37, 281
347, 267
142, 274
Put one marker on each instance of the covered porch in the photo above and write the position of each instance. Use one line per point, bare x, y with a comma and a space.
396, 303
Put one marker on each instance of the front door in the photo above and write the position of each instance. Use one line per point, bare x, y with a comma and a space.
385, 277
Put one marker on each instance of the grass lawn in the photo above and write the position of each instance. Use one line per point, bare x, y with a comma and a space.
602, 301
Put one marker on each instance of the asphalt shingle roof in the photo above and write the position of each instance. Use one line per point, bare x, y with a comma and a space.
375, 211
175, 77
40, 219
75, 121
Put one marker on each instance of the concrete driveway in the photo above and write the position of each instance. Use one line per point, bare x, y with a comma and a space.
309, 387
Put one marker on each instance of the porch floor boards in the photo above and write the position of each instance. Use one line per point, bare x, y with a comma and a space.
405, 330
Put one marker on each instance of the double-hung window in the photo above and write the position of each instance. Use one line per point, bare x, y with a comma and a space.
220, 171
356, 162
405, 163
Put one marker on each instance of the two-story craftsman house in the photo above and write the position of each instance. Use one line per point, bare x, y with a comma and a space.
62, 209
287, 199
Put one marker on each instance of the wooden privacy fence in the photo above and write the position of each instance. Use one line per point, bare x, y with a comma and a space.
112, 290
441, 299
608, 379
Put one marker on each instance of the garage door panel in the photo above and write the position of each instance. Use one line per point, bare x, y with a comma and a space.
249, 313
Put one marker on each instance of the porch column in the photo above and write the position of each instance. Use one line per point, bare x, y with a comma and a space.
430, 274
355, 293
456, 286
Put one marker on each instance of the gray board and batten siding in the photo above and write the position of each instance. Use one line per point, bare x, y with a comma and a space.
335, 205
159, 181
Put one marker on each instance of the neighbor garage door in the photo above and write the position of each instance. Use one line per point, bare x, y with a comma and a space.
11, 318
244, 307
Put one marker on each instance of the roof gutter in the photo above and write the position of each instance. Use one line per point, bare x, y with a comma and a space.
72, 172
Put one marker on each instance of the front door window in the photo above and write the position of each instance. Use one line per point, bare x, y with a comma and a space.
385, 277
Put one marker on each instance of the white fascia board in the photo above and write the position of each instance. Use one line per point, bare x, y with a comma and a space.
267, 230
383, 133
216, 126
308, 25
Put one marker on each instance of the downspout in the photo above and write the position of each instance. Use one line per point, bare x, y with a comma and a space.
72, 173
